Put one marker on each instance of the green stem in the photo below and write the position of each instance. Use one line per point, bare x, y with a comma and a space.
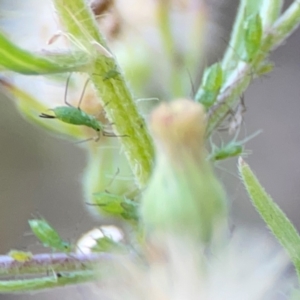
22, 61
118, 101
287, 23
241, 78
56, 262
41, 283
235, 39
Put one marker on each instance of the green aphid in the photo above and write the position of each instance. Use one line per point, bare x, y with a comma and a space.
116, 205
75, 116
265, 68
48, 235
111, 74
210, 87
20, 256
232, 149
252, 36
106, 244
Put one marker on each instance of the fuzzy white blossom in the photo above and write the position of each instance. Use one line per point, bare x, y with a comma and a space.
248, 267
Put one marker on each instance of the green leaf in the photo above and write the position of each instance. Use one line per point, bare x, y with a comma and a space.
122, 111
16, 59
277, 221
30, 108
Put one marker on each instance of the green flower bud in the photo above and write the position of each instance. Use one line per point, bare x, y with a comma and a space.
183, 196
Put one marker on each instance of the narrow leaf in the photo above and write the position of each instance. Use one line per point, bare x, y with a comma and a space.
16, 59
277, 221
30, 108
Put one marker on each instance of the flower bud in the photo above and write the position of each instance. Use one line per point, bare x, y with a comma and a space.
183, 196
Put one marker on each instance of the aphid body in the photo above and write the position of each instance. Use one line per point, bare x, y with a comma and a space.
20, 256
74, 115
48, 235
230, 150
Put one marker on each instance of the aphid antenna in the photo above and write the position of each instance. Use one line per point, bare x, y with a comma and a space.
66, 91
113, 178
83, 92
46, 116
96, 139
248, 138
193, 90
147, 99
225, 170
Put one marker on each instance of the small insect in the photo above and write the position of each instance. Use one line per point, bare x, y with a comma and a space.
75, 116
102, 239
116, 205
233, 148
48, 235
99, 7
111, 74
20, 256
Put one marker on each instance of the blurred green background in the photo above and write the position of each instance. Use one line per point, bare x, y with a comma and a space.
40, 173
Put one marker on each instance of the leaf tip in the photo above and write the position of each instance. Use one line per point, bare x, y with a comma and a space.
241, 162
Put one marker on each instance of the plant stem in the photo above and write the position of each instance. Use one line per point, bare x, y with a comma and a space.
115, 95
241, 78
57, 262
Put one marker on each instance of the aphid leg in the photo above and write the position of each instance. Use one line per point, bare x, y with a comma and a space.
237, 118
66, 91
106, 191
86, 140
97, 137
229, 116
112, 134
193, 90
112, 179
82, 93
55, 37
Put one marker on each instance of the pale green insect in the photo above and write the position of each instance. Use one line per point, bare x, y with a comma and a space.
102, 239
233, 148
75, 116
20, 256
116, 205
253, 33
48, 235
211, 84
111, 74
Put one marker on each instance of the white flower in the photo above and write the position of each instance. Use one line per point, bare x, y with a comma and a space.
249, 267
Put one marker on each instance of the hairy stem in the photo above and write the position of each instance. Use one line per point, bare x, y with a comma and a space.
110, 86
